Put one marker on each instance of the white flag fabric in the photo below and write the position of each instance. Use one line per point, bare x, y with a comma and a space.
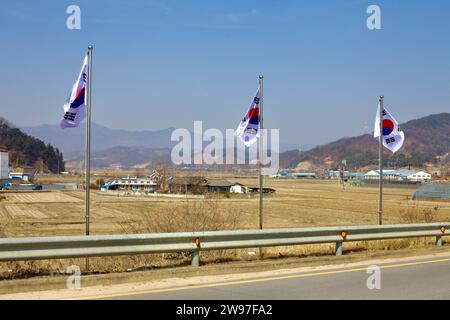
248, 129
393, 137
75, 105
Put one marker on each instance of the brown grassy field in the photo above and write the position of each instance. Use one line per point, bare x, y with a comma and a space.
296, 203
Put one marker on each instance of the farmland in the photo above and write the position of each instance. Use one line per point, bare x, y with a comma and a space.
296, 203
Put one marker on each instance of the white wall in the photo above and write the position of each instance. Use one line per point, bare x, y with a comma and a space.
420, 176
4, 165
237, 189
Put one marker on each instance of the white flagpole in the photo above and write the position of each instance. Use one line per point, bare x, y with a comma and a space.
88, 141
261, 216
380, 154
88, 147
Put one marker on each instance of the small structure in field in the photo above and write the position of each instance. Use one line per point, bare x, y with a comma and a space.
256, 190
433, 192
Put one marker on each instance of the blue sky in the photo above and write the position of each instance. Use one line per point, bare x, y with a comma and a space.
161, 64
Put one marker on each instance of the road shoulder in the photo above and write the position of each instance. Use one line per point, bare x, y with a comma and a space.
188, 277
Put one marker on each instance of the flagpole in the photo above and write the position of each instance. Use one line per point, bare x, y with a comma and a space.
261, 212
380, 156
88, 147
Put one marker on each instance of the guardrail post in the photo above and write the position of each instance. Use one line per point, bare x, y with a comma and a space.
439, 241
195, 262
339, 248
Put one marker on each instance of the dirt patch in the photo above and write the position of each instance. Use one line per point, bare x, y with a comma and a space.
37, 197
17, 211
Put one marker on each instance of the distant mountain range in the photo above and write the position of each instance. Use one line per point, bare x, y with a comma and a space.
427, 142
124, 157
72, 141
113, 147
142, 157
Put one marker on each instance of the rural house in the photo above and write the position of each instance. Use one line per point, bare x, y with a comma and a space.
24, 173
220, 186
185, 185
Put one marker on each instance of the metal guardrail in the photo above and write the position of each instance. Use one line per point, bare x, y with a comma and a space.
15, 249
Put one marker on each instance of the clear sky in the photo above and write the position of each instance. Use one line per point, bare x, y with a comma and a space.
161, 64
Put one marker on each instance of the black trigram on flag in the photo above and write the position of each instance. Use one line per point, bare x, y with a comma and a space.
390, 140
70, 116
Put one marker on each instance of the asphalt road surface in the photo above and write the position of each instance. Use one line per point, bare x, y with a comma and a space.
421, 279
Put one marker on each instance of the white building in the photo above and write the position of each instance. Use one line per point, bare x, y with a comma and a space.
4, 164
399, 175
130, 184
419, 176
304, 175
237, 188
387, 175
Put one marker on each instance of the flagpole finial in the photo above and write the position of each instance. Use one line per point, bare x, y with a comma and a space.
381, 98
90, 47
261, 76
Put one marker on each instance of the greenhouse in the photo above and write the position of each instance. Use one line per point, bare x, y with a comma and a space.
432, 191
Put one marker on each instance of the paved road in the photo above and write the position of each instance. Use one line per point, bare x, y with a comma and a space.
421, 279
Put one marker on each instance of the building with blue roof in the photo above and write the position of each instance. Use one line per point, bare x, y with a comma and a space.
399, 175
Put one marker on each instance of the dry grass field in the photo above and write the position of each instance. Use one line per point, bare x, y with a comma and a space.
296, 203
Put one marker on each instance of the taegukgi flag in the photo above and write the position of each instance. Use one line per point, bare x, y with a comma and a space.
75, 105
248, 129
393, 137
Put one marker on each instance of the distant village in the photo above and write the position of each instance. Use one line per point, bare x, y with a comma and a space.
402, 175
157, 183
22, 177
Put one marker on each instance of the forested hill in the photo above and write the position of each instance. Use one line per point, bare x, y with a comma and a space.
26, 150
427, 141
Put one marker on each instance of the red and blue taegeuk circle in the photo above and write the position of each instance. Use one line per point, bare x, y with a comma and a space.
388, 127
254, 116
